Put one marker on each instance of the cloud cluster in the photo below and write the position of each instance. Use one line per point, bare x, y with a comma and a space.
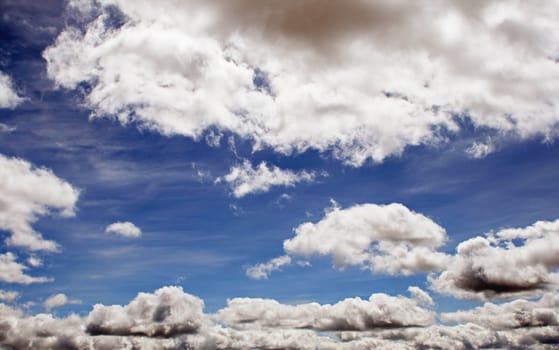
244, 179
167, 312
27, 192
384, 238
360, 79
8, 296
380, 311
124, 229
509, 263
169, 319
8, 97
13, 272
519, 313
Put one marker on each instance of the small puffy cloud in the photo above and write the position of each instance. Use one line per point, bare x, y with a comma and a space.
26, 193
58, 300
380, 311
510, 263
125, 229
261, 271
168, 312
516, 314
480, 150
383, 238
244, 179
13, 272
359, 79
8, 295
8, 97
34, 261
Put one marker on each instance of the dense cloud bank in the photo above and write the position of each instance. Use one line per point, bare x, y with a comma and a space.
172, 319
359, 79
509, 263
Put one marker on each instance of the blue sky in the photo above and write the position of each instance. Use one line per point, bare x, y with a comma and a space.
195, 233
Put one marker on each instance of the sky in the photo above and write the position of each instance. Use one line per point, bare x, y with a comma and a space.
279, 175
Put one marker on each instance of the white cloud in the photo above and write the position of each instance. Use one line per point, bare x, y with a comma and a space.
8, 97
361, 79
380, 311
34, 261
58, 300
171, 319
8, 295
125, 229
244, 179
516, 314
510, 263
7, 128
167, 312
26, 193
480, 150
384, 238
13, 272
261, 271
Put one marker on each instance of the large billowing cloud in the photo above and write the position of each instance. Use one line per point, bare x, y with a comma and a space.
27, 192
505, 264
172, 319
8, 97
383, 238
167, 312
380, 311
362, 79
244, 179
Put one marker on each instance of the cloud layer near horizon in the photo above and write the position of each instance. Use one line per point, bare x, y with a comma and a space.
362, 80
169, 318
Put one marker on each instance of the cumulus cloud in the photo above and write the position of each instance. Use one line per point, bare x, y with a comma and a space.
58, 300
261, 271
8, 97
13, 272
509, 263
125, 229
26, 193
8, 295
519, 313
244, 179
170, 319
166, 313
380, 311
362, 80
383, 238
34, 261
480, 150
